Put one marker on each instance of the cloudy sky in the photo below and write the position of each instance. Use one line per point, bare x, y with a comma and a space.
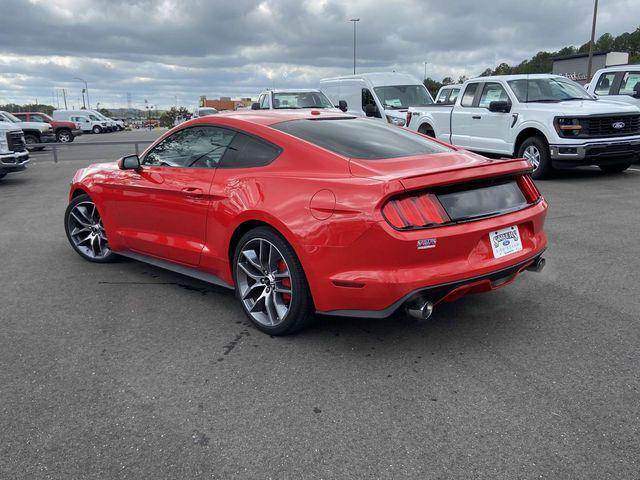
176, 50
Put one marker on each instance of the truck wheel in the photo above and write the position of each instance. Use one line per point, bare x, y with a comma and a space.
536, 150
96, 129
64, 136
30, 139
427, 130
615, 168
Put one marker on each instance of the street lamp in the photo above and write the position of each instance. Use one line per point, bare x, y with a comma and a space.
354, 20
86, 88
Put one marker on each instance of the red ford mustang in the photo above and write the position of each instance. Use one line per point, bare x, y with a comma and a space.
305, 212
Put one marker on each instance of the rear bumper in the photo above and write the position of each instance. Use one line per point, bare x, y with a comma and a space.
596, 153
13, 162
449, 292
384, 268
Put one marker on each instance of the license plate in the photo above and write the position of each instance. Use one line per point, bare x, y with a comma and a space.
505, 241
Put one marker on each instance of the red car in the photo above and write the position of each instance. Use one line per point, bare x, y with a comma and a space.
65, 131
306, 212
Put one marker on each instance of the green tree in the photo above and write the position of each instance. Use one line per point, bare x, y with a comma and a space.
168, 117
447, 81
105, 112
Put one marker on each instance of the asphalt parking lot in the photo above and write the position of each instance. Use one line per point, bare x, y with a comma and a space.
127, 371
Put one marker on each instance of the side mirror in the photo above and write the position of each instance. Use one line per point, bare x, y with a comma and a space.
130, 162
342, 105
501, 106
255, 106
636, 90
370, 110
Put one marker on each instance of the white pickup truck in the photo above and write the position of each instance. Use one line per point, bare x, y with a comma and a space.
13, 149
549, 120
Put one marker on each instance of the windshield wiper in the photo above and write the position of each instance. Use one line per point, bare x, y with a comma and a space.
543, 100
576, 98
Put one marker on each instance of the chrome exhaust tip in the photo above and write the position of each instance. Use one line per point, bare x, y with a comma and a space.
421, 309
538, 265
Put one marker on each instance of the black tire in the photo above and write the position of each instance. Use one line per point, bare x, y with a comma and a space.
2, 175
109, 257
300, 312
538, 144
64, 135
96, 129
30, 139
616, 167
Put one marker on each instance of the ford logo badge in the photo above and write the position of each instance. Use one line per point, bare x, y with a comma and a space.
618, 125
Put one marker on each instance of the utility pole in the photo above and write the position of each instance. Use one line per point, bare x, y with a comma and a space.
592, 42
354, 20
64, 96
425, 70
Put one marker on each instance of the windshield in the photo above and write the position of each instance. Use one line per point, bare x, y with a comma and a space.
94, 118
203, 112
301, 100
395, 97
547, 90
11, 118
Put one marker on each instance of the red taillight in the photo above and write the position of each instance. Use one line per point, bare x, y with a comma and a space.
529, 188
415, 211
408, 119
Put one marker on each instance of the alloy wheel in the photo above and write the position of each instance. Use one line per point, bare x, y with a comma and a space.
64, 137
264, 282
86, 230
532, 154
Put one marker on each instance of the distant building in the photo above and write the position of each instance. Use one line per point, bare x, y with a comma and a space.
225, 103
575, 66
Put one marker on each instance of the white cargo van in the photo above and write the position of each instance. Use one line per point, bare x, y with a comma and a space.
89, 120
383, 95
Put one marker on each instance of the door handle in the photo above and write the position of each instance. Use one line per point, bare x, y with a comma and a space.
476, 117
193, 192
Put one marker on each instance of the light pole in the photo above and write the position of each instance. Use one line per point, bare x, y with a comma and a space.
593, 35
425, 70
354, 20
86, 89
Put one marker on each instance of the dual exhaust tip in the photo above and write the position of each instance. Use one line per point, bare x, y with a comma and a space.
422, 308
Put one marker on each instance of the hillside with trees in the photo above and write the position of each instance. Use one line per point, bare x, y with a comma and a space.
542, 62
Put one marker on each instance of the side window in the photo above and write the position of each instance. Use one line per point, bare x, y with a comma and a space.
191, 147
605, 82
367, 98
264, 103
39, 118
469, 94
247, 151
629, 81
492, 92
453, 96
444, 94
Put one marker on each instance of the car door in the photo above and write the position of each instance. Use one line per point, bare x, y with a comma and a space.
493, 131
466, 116
162, 208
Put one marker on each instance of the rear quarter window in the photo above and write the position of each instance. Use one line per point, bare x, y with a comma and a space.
246, 151
361, 138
